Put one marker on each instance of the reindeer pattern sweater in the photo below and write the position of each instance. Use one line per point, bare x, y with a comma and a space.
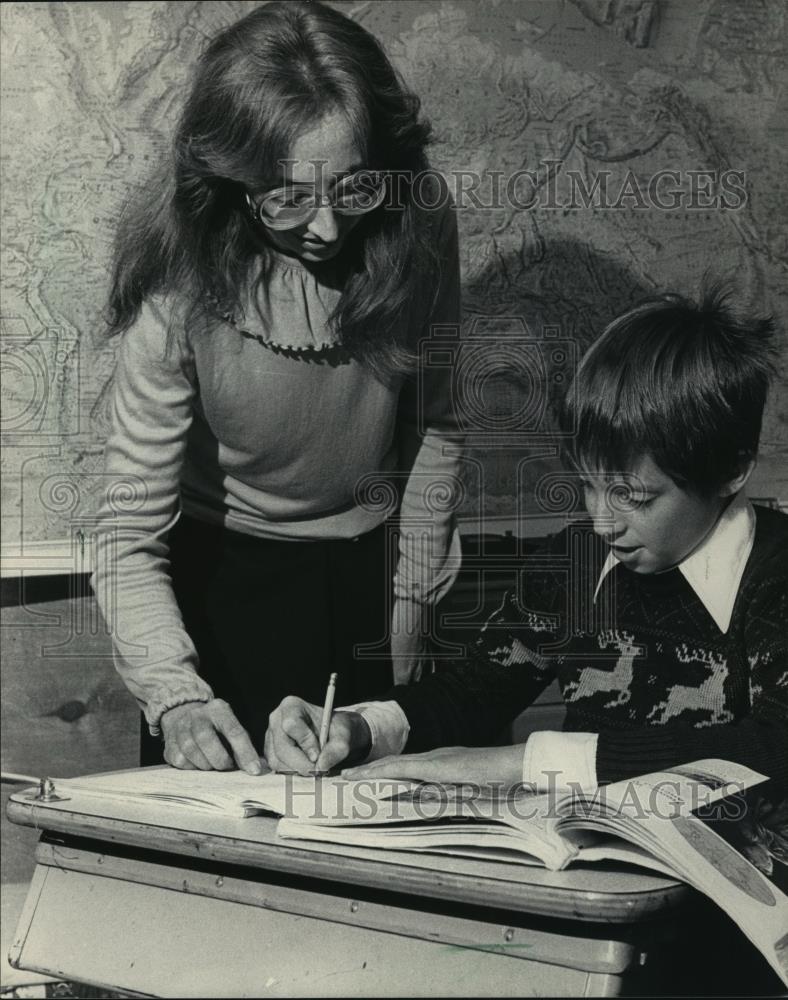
642, 662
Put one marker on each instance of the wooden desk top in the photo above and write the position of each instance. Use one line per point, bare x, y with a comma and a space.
584, 892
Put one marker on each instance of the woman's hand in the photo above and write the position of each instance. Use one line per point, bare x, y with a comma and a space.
452, 765
408, 645
193, 738
291, 742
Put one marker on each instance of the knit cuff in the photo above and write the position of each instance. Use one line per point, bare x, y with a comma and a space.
165, 700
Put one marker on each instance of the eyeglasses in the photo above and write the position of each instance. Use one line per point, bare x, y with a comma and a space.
297, 204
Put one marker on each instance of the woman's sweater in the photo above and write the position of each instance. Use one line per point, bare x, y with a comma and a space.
265, 427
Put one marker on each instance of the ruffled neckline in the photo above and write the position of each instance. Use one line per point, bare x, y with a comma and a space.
289, 310
280, 259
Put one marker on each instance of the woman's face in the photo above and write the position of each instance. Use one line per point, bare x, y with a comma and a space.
319, 159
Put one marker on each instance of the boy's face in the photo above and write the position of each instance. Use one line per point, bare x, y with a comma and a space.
650, 523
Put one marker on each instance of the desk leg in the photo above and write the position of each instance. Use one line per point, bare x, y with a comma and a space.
27, 914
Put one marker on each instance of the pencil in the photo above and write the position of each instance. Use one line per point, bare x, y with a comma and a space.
328, 710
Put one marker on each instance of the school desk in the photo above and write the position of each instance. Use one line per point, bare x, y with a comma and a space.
210, 907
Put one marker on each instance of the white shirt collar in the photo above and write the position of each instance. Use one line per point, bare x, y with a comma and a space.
714, 569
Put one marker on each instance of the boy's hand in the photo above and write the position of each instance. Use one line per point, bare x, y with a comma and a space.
193, 738
448, 765
291, 742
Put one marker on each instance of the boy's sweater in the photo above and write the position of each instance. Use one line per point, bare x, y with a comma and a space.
644, 665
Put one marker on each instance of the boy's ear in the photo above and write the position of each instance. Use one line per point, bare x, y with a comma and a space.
734, 485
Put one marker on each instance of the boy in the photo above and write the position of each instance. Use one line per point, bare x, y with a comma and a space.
684, 583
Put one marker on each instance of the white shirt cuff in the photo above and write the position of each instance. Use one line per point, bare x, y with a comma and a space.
388, 725
560, 760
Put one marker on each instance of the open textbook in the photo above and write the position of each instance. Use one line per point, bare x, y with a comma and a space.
648, 821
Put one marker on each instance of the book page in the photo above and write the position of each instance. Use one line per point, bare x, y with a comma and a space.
656, 812
214, 791
699, 783
709, 863
234, 793
469, 839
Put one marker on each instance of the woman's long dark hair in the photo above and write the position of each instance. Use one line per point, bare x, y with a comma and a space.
268, 78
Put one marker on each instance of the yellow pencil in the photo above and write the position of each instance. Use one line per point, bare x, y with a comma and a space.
328, 710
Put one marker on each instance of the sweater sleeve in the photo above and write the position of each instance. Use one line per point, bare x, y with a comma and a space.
471, 702
151, 412
430, 448
759, 740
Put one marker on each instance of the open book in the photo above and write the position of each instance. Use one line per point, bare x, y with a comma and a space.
648, 821
229, 793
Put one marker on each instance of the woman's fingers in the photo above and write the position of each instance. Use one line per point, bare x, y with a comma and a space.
246, 757
270, 752
175, 758
182, 738
193, 737
188, 746
202, 744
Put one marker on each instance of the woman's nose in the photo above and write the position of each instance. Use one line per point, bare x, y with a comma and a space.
324, 224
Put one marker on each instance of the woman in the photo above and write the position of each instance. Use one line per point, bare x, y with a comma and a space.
272, 287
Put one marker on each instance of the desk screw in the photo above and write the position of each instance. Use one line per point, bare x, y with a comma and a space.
509, 935
354, 907
220, 881
46, 790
